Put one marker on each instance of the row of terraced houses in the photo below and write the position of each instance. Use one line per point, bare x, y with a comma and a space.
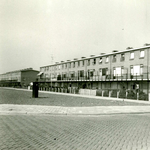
128, 69
18, 78
119, 70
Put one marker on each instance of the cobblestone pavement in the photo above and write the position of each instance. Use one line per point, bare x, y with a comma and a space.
43, 132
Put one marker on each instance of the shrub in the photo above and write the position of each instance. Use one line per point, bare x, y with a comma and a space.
131, 95
64, 90
76, 90
98, 92
114, 93
106, 93
122, 94
67, 90
142, 96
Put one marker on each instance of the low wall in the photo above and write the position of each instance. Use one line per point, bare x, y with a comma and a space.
87, 92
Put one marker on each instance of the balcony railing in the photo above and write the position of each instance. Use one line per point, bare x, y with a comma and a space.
109, 77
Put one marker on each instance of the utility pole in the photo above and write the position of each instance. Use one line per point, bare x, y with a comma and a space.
51, 69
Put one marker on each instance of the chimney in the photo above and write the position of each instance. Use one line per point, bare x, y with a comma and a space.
115, 51
83, 57
102, 53
92, 55
75, 59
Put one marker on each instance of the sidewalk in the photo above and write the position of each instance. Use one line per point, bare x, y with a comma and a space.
53, 110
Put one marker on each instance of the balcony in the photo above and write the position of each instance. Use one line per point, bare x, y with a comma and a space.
108, 77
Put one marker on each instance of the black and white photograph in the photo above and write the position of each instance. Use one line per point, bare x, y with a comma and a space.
74, 75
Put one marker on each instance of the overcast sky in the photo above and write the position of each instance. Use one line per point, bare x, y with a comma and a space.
32, 31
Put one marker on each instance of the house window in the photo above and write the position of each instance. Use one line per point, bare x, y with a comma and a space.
64, 75
107, 59
122, 57
81, 73
78, 63
83, 62
72, 74
59, 67
132, 55
122, 70
114, 58
66, 65
142, 54
62, 66
69, 65
94, 61
91, 73
136, 70
141, 69
117, 71
88, 62
73, 64
103, 71
100, 60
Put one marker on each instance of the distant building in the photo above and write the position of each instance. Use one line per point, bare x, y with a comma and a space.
19, 77
129, 69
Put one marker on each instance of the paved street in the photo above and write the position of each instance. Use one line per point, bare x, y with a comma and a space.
71, 123
108, 132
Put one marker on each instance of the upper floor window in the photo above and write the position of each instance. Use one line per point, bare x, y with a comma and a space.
62, 66
78, 63
73, 64
122, 57
69, 65
132, 55
66, 65
100, 60
88, 62
83, 62
114, 58
94, 61
142, 54
107, 59
59, 67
